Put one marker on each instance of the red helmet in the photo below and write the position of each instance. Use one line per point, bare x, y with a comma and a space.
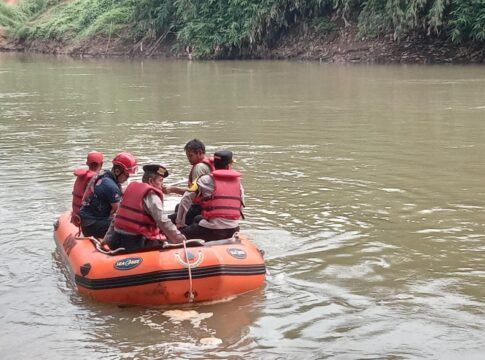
95, 157
127, 162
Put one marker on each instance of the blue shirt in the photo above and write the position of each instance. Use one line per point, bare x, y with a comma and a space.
106, 192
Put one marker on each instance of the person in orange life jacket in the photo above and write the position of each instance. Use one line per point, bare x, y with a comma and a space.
102, 197
94, 162
201, 165
140, 221
221, 197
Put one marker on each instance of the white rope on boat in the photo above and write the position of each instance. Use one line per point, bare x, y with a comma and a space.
98, 246
191, 292
186, 242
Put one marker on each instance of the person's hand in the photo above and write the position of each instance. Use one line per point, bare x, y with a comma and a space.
180, 226
166, 189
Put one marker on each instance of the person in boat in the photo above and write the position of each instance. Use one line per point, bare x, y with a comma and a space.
103, 195
221, 197
201, 165
140, 221
83, 175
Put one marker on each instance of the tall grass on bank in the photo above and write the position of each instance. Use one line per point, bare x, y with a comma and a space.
75, 20
11, 16
231, 27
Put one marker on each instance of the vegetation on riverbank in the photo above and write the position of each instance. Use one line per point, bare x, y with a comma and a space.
240, 28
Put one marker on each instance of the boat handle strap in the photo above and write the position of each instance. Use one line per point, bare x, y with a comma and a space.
182, 244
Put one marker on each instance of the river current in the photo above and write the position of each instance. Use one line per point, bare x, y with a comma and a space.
364, 184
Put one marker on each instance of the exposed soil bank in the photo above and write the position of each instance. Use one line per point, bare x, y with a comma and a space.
342, 46
345, 46
4, 44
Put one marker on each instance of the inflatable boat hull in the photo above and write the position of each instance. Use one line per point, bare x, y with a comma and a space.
164, 276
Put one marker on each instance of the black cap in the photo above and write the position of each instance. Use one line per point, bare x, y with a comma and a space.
157, 169
222, 158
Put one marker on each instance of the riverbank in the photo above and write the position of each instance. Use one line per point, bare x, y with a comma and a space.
341, 46
5, 44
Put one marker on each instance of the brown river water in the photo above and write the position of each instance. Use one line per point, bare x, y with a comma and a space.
365, 188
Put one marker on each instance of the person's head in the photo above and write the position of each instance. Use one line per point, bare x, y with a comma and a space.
153, 174
195, 151
124, 165
95, 160
222, 159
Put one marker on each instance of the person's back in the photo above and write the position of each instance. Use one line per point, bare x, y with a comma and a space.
221, 196
102, 197
83, 176
103, 191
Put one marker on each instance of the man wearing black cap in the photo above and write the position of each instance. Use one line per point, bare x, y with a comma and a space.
220, 195
140, 221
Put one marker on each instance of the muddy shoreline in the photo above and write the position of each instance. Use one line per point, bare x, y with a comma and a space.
342, 46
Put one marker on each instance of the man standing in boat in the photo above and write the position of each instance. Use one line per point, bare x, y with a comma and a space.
140, 221
201, 165
221, 197
94, 162
103, 195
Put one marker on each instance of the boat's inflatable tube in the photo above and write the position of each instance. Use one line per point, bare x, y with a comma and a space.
214, 270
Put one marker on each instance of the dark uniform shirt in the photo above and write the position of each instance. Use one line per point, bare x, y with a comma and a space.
106, 192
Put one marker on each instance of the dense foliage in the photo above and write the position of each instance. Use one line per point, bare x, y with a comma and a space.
10, 16
211, 27
75, 19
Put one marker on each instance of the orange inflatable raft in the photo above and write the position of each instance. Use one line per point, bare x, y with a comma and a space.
193, 273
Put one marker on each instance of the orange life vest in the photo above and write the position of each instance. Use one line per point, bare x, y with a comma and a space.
83, 176
132, 216
226, 200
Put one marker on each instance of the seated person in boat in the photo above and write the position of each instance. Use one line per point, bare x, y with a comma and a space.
221, 198
201, 165
83, 175
140, 221
103, 195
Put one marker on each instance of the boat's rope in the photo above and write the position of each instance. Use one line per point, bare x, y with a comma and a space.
99, 246
191, 292
186, 242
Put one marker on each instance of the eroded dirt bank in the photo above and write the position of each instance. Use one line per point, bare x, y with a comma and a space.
342, 46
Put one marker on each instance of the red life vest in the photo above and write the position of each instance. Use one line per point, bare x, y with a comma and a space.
92, 184
83, 176
131, 215
209, 161
226, 200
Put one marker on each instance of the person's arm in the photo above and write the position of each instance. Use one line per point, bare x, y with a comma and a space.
114, 208
199, 170
184, 206
206, 186
172, 189
242, 197
110, 192
109, 233
154, 207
